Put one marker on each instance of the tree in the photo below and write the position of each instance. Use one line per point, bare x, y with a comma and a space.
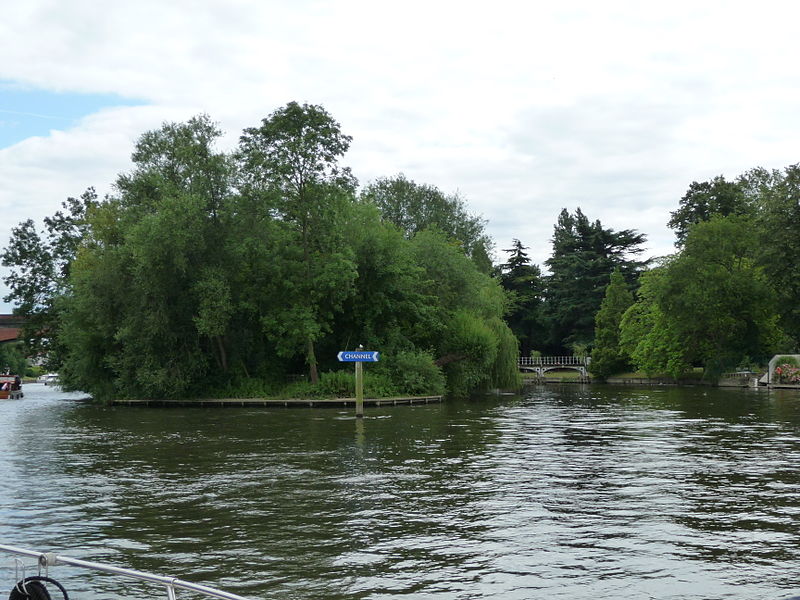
584, 255
12, 359
711, 304
705, 200
648, 336
778, 242
464, 326
390, 308
415, 207
608, 357
769, 199
39, 272
291, 163
524, 283
150, 302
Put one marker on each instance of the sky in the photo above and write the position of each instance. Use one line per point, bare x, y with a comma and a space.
523, 108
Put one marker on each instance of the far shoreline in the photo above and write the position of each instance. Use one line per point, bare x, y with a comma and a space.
279, 402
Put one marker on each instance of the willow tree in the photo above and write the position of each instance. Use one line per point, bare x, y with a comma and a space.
464, 326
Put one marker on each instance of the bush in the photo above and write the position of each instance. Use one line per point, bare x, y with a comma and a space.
250, 387
412, 373
342, 384
298, 389
33, 371
379, 385
336, 384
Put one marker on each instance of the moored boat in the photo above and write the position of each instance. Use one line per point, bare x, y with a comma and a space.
10, 387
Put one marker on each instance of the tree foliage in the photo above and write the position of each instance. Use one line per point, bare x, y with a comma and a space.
292, 162
584, 255
210, 273
40, 268
12, 359
777, 225
648, 336
608, 357
707, 199
525, 285
768, 201
415, 207
711, 304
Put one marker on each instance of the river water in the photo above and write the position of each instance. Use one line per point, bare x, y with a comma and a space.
564, 492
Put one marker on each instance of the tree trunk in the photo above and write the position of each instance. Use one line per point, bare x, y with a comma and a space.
312, 363
223, 356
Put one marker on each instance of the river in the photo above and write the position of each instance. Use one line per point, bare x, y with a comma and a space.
564, 492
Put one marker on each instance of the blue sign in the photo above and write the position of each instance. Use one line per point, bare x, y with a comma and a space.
358, 356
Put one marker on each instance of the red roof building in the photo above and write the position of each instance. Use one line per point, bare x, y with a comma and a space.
9, 335
10, 327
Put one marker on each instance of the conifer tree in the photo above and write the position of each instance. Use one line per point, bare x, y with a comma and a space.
523, 281
584, 255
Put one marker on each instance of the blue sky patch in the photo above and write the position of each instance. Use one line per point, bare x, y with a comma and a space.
26, 112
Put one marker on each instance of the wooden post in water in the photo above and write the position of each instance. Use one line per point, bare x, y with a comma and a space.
359, 357
359, 389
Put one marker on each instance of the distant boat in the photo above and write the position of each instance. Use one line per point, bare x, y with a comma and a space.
49, 379
10, 387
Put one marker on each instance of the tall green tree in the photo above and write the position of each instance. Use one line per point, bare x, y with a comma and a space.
706, 199
648, 336
151, 297
584, 255
415, 207
524, 283
608, 357
291, 163
777, 224
768, 198
39, 268
390, 308
711, 304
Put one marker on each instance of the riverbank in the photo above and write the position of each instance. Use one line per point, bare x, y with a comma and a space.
734, 382
284, 402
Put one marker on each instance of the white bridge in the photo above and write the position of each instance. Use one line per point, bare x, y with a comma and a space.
541, 364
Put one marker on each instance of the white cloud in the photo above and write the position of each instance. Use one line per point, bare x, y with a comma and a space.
524, 108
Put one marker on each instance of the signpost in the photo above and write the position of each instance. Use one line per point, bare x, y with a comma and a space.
359, 357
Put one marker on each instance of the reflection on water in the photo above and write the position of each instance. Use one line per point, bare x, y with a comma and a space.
569, 492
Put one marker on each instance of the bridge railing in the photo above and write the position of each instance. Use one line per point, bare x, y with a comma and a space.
553, 361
